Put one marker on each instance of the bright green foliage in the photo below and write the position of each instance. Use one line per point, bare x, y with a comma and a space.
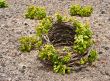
93, 56
59, 65
59, 18
27, 43
66, 58
74, 9
90, 59
83, 61
44, 26
84, 11
3, 4
39, 43
66, 49
48, 52
62, 69
34, 12
82, 38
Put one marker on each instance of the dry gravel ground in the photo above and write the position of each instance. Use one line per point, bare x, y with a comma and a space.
17, 66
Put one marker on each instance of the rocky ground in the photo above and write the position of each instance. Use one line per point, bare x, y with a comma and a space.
17, 66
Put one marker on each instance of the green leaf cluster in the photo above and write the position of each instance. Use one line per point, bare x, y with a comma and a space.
74, 10
83, 37
3, 4
34, 12
39, 43
59, 17
44, 26
93, 56
90, 59
27, 43
83, 61
84, 11
61, 68
49, 53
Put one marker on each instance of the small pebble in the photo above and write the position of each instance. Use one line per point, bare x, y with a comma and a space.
3, 65
1, 56
22, 71
106, 48
100, 52
25, 24
24, 67
102, 12
108, 19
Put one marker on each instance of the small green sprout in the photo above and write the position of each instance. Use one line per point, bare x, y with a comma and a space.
3, 4
39, 44
67, 58
90, 59
59, 17
83, 61
34, 12
93, 56
62, 69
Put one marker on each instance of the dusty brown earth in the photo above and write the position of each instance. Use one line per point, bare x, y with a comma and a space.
17, 66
